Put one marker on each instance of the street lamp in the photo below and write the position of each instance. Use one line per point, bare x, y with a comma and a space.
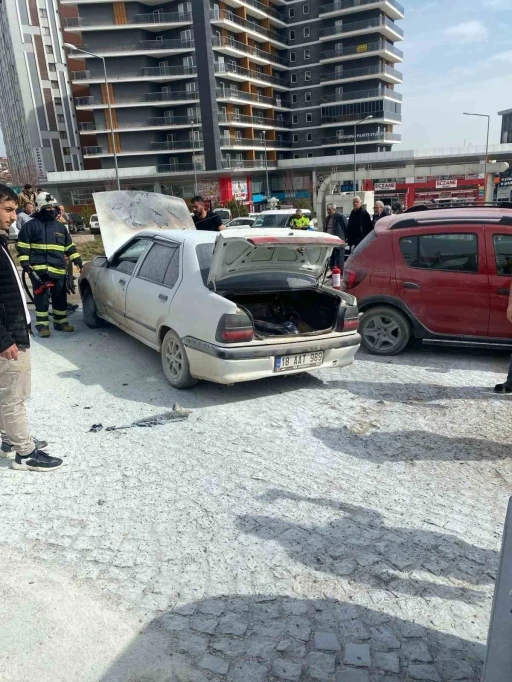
69, 46
355, 146
264, 133
194, 156
486, 146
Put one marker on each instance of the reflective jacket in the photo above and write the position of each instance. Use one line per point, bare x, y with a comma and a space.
45, 245
301, 223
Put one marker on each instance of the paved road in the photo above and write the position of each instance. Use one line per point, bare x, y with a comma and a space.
342, 526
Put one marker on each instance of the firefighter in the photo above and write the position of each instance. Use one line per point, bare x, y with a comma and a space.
43, 245
299, 221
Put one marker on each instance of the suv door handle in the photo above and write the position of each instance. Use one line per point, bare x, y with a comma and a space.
411, 285
163, 297
122, 281
503, 292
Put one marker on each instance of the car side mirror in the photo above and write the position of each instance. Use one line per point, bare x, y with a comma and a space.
101, 261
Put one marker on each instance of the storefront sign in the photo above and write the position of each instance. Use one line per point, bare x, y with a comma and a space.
382, 186
240, 192
41, 170
445, 184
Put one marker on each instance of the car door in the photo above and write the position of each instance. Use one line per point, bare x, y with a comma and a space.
152, 288
499, 250
442, 278
115, 277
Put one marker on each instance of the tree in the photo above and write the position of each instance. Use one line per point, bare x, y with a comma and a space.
237, 208
302, 202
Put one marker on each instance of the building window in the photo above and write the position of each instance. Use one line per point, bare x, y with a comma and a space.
292, 35
295, 118
293, 78
309, 118
58, 100
46, 31
307, 32
307, 96
295, 137
63, 135
60, 118
296, 156
309, 137
66, 151
49, 49
54, 84
310, 155
69, 166
305, 9
291, 12
52, 67
43, 14
294, 99
293, 56
307, 76
307, 54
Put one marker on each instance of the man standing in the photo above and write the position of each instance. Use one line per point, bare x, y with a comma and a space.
335, 223
15, 354
507, 386
26, 196
359, 224
299, 221
43, 245
203, 219
25, 215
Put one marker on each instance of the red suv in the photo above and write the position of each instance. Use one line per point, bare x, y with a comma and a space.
442, 276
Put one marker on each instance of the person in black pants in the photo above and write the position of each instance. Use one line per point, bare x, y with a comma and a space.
360, 224
507, 386
335, 223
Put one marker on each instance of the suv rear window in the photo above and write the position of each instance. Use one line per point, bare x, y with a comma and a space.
452, 252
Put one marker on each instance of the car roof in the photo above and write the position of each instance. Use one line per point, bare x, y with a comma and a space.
193, 236
446, 215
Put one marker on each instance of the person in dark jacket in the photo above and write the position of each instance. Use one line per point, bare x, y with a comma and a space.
359, 224
335, 223
43, 245
15, 354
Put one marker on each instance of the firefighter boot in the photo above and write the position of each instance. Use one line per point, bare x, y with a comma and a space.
63, 327
44, 332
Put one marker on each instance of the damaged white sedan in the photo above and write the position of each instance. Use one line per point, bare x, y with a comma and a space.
225, 307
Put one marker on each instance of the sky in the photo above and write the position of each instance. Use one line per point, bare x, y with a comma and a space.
457, 58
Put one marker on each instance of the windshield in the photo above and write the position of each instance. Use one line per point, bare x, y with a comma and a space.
268, 281
94, 217
272, 220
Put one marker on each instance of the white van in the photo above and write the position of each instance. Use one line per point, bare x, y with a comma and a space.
278, 218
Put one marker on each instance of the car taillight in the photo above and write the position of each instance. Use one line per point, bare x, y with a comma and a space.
351, 278
235, 328
348, 319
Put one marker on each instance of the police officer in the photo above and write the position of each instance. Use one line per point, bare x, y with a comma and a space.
43, 245
299, 221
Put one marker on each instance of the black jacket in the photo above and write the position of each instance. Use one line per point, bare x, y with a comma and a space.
45, 245
13, 323
359, 225
339, 226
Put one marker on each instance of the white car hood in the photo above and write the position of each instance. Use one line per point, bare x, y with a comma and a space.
257, 251
122, 213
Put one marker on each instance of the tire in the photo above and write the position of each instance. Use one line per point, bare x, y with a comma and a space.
384, 330
175, 362
90, 313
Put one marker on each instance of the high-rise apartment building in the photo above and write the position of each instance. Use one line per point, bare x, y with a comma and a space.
234, 83
36, 109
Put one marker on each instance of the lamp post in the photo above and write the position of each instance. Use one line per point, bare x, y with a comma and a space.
355, 146
264, 133
69, 46
194, 156
486, 146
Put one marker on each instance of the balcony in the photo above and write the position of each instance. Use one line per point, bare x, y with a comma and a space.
376, 25
240, 74
362, 138
377, 49
233, 22
155, 47
165, 73
254, 142
152, 21
151, 98
153, 123
180, 145
168, 169
378, 117
156, 147
243, 163
380, 71
340, 7
231, 46
375, 93
232, 95
253, 121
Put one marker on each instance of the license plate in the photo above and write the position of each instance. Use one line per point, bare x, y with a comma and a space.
287, 363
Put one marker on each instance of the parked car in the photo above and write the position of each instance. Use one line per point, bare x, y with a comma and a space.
278, 218
226, 307
94, 225
224, 213
76, 222
442, 276
244, 221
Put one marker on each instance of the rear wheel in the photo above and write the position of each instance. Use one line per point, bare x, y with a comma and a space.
91, 317
175, 362
384, 330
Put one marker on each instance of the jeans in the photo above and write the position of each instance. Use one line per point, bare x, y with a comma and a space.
509, 376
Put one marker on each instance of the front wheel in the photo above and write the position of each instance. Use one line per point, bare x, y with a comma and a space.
175, 362
91, 317
384, 330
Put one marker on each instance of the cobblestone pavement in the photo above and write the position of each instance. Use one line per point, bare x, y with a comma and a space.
338, 527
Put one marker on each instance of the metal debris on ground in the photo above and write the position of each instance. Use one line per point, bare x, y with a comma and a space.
95, 428
177, 413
